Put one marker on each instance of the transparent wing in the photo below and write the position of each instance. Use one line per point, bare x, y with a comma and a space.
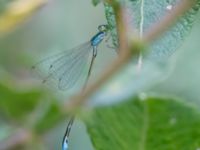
64, 68
71, 75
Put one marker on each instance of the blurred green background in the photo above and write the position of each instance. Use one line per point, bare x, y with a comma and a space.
60, 25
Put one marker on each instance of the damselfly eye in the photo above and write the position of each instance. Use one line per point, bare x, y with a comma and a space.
103, 28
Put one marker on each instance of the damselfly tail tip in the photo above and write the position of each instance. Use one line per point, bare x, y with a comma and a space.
65, 144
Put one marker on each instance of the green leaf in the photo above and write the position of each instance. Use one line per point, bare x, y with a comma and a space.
52, 117
96, 2
145, 13
30, 108
16, 105
145, 124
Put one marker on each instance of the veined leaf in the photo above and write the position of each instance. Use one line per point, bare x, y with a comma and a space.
145, 124
145, 13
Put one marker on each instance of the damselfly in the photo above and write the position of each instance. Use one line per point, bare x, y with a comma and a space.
66, 67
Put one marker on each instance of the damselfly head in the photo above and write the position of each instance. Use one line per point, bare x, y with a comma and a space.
103, 28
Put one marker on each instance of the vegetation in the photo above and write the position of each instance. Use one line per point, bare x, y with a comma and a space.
126, 108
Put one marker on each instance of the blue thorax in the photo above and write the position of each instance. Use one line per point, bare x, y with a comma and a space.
97, 38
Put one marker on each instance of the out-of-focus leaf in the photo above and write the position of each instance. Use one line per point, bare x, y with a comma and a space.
129, 81
143, 14
52, 117
30, 108
4, 4
145, 123
180, 83
16, 105
96, 2
16, 12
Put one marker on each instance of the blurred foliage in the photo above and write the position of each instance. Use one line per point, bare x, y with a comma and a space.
14, 12
3, 5
145, 123
52, 116
31, 109
16, 105
24, 108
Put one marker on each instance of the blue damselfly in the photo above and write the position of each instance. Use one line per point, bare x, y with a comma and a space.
66, 68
